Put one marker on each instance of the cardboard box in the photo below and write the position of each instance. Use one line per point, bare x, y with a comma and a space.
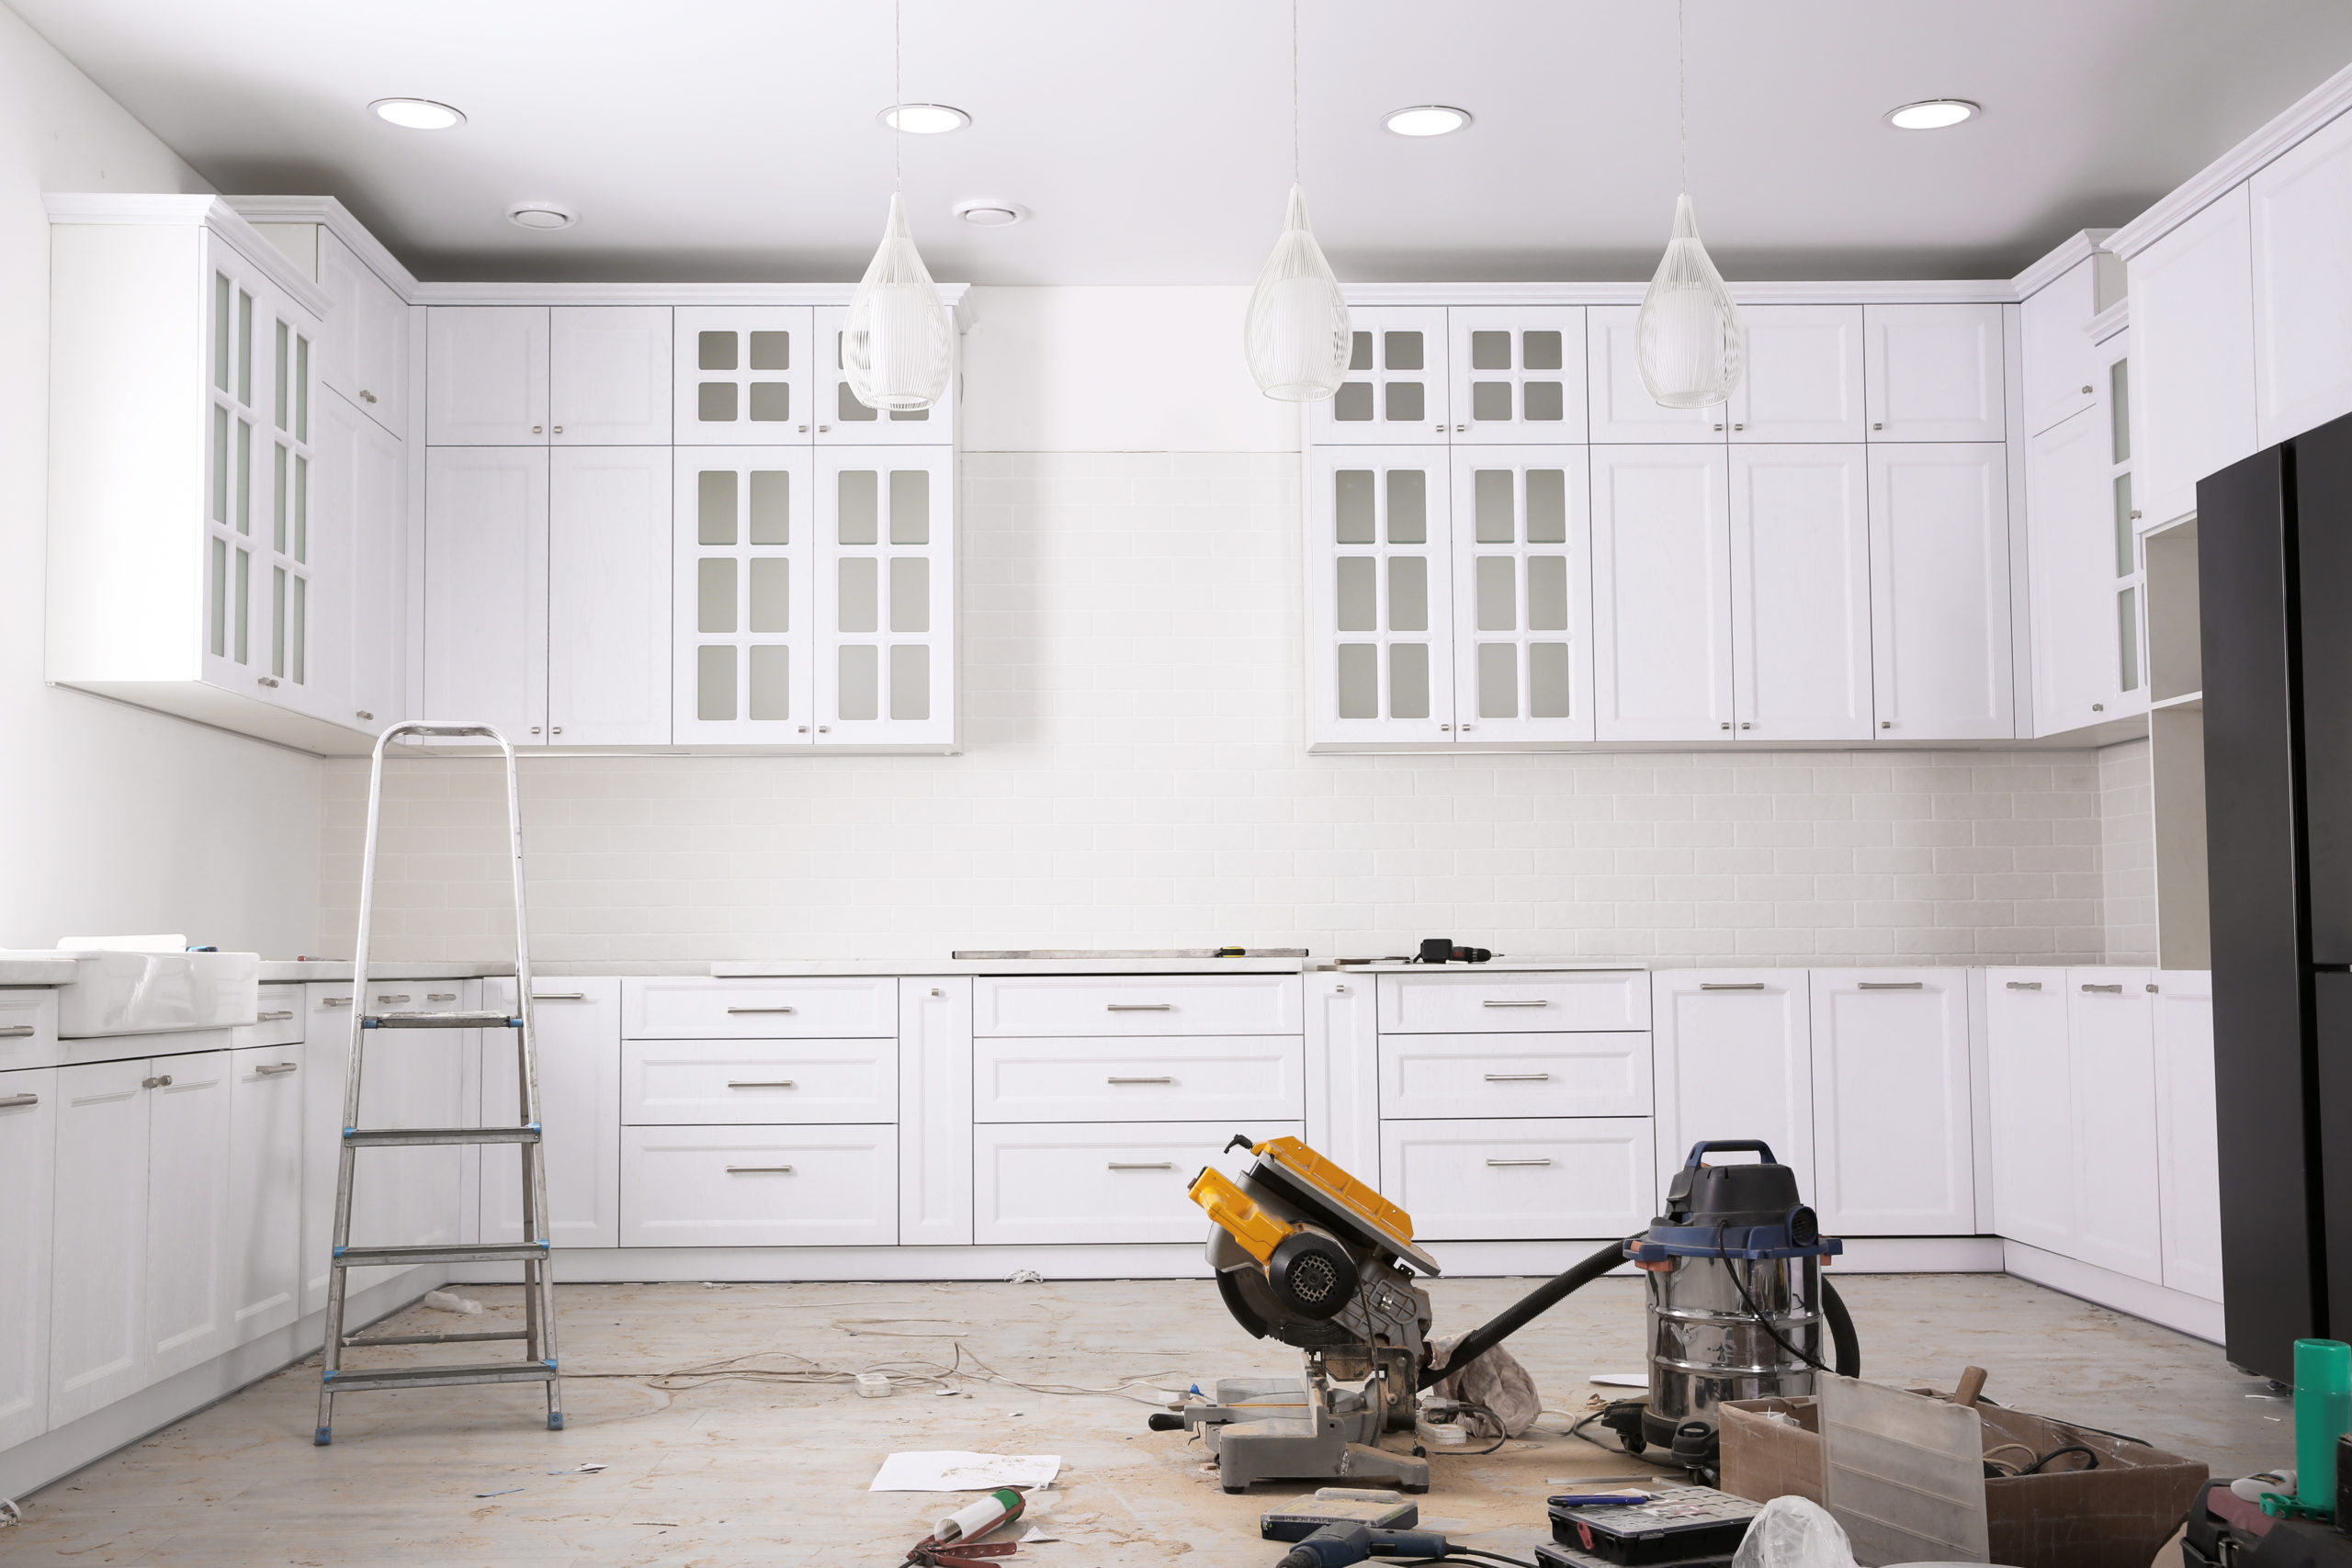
2115, 1517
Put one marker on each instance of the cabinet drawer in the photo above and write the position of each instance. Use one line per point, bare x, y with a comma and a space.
1139, 1004
1597, 1074
28, 1029
1098, 1181
758, 1080
1500, 1002
1228, 1078
760, 1187
828, 1008
1549, 1180
277, 1017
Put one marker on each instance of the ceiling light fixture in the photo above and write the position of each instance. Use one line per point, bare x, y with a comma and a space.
898, 340
417, 114
1427, 120
990, 214
1689, 341
1295, 335
1933, 114
924, 119
541, 215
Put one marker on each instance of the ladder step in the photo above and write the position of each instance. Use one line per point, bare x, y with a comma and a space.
457, 1252
385, 1137
350, 1380
433, 1338
440, 1020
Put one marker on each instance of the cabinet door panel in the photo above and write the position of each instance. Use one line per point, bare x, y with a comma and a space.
189, 1236
28, 1175
1522, 593
1940, 592
935, 1110
608, 375
326, 1055
741, 376
486, 589
580, 1078
1661, 594
1343, 1080
363, 346
1424, 1077
1934, 373
486, 375
842, 420
743, 601
1801, 592
2062, 366
1894, 1139
378, 585
2193, 384
885, 597
2302, 211
1619, 405
263, 1275
609, 596
98, 1303
2069, 531
1519, 373
2110, 1034
1240, 1079
1734, 1059
1379, 597
1803, 380
1114, 1181
2188, 1170
2032, 1115
1395, 390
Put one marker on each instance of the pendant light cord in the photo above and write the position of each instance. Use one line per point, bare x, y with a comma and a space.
1293, 92
898, 95
1682, 94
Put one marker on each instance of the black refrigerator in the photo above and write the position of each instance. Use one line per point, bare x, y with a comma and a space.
2275, 574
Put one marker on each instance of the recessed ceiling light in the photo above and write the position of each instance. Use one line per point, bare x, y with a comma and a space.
540, 215
417, 114
1427, 120
990, 214
1933, 114
924, 119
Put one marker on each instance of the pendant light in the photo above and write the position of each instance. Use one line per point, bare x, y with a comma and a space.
899, 341
1295, 335
1689, 339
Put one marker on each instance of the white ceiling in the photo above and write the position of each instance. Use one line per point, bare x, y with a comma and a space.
735, 139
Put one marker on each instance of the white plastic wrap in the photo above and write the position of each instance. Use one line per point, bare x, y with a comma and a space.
1790, 1532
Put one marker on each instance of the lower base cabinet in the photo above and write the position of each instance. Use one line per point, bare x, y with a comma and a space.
579, 1086
1541, 1179
2112, 1068
28, 1177
98, 1320
1734, 1054
1894, 1132
1098, 1181
750, 1186
2189, 1160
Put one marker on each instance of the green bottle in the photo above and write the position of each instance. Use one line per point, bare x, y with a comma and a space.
2323, 1414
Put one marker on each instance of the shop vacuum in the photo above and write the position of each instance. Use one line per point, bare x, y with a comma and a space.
1307, 1255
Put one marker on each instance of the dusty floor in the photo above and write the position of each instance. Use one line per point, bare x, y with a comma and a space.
742, 1471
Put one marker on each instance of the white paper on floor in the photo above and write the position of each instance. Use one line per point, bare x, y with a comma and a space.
950, 1471
1620, 1380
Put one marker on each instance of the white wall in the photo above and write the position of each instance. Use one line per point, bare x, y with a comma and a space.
111, 818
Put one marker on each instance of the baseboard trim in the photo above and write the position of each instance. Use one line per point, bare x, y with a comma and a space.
2161, 1304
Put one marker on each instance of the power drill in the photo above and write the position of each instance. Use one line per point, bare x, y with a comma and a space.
1339, 1545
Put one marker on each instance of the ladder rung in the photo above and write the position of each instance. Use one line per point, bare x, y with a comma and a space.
458, 1252
380, 1137
492, 1019
434, 1338
348, 1380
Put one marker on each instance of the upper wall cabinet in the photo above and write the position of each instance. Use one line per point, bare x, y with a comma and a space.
1523, 588
1518, 373
486, 375
1801, 592
2062, 365
2301, 211
1939, 595
1661, 594
1379, 595
1395, 388
842, 420
1622, 409
363, 348
1934, 372
1803, 376
2192, 350
742, 375
535, 376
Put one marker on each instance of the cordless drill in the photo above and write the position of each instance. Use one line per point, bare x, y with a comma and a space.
1339, 1545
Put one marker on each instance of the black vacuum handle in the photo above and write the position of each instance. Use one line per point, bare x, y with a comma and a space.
1709, 1146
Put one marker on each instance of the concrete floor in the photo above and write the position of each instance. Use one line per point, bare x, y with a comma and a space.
728, 1471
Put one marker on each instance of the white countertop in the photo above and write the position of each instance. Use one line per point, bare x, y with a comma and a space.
36, 971
798, 968
1507, 965
282, 971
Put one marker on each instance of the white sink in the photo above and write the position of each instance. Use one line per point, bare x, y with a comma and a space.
148, 993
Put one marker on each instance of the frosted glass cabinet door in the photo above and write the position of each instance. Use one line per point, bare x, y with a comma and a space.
1395, 392
1620, 406
842, 420
1803, 374
1523, 593
1518, 373
1661, 594
609, 596
885, 597
486, 588
486, 375
740, 376
743, 528
608, 375
1940, 592
1378, 596
1801, 592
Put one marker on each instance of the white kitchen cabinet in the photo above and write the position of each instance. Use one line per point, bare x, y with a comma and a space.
1933, 372
2110, 1038
2070, 534
416, 1078
28, 1175
608, 375
1469, 1001
751, 1082
935, 1110
830, 1006
486, 375
1895, 1138
1343, 1041
742, 607
1242, 1078
2188, 1165
1379, 593
359, 538
741, 376
884, 595
2062, 366
1522, 593
1395, 392
608, 564
1620, 409
486, 589
1940, 592
1113, 1181
363, 343
2301, 207
1026, 1004
1425, 1077
98, 1350
1734, 1059
326, 1055
1538, 1179
1661, 594
843, 421
579, 1085
2193, 398
262, 1271
188, 1231
759, 1186
1802, 377
1801, 592
1519, 373
2032, 1115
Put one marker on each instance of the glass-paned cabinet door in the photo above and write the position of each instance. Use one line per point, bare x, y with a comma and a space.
258, 458
885, 597
842, 420
1396, 389
1518, 372
1523, 593
742, 375
746, 522
2128, 629
1379, 594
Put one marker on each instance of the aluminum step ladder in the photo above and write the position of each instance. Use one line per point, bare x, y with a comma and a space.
538, 1363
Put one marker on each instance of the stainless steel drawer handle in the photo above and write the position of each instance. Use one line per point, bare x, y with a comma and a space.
335, 1001
279, 1016
759, 1170
1891, 985
440, 995
761, 1083
16, 1031
1140, 1007
2025, 984
1140, 1080
401, 998
1731, 985
1503, 1162
559, 996
1530, 1002
1155, 1165
277, 1070
1519, 1077
20, 1101
2116, 990
164, 1081
762, 1009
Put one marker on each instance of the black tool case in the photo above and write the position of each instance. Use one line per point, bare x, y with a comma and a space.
1685, 1525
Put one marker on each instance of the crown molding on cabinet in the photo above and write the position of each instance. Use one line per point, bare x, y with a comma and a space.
2201, 190
336, 219
206, 211
2116, 317
2064, 257
1931, 291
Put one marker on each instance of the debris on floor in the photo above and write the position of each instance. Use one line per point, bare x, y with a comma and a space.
953, 1470
449, 1301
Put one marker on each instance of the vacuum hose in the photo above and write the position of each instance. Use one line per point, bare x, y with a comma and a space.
1845, 1345
1542, 1299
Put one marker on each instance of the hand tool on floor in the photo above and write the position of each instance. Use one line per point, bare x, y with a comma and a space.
538, 1333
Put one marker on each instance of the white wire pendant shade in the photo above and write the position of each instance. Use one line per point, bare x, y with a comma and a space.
1689, 339
899, 343
1295, 335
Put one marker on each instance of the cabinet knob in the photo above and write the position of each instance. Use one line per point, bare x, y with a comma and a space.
535, 729
1719, 427
1465, 729
822, 428
803, 728
1727, 724
1737, 425
1446, 727
1745, 724
2099, 707
1876, 426
535, 431
164, 1081
1886, 723
824, 729
937, 992
266, 680
363, 713
2135, 515
557, 730
2086, 391
1461, 427
368, 397
558, 430
801, 428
